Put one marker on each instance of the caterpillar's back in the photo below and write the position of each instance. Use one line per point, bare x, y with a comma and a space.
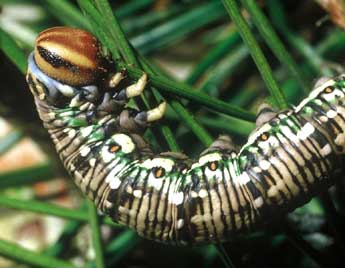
167, 197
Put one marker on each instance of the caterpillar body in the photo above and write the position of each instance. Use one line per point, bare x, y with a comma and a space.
167, 197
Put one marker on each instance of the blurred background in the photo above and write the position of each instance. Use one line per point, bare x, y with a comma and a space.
44, 220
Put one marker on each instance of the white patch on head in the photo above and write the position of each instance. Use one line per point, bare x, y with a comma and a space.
264, 164
331, 114
306, 131
85, 151
126, 143
176, 198
326, 150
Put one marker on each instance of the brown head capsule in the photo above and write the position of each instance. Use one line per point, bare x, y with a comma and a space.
69, 55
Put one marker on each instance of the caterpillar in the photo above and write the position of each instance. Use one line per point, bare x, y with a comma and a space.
81, 98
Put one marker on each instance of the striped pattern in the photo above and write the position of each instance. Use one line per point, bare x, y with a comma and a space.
68, 53
168, 197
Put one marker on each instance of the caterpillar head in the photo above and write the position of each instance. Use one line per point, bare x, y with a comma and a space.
66, 62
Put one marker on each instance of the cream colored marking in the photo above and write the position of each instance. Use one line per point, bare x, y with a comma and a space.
75, 102
86, 131
137, 193
160, 211
105, 119
180, 223
41, 96
264, 164
203, 193
292, 166
155, 182
51, 115
66, 114
84, 106
176, 198
314, 93
115, 79
329, 97
137, 88
85, 151
340, 139
83, 60
257, 169
258, 202
165, 163
92, 162
119, 168
194, 194
217, 174
224, 203
129, 189
126, 143
71, 133
115, 183
134, 208
254, 136
66, 90
217, 212
306, 131
207, 215
331, 114
286, 174
318, 102
242, 179
106, 155
273, 193
326, 150
323, 118
211, 157
141, 225
156, 113
112, 174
